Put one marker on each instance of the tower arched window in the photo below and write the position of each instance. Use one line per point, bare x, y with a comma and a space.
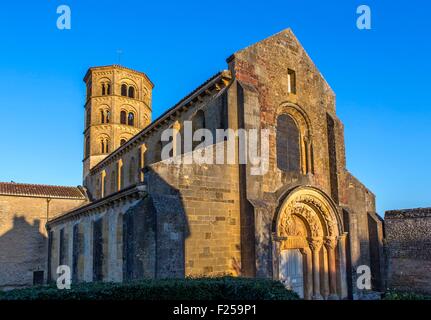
104, 145
122, 141
124, 90
104, 116
288, 144
131, 119
105, 88
131, 92
123, 117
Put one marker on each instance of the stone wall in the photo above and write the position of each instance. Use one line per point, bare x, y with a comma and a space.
260, 94
210, 201
408, 250
111, 217
215, 219
23, 238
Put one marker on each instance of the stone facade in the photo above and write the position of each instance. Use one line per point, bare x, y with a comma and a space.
306, 221
171, 220
408, 250
23, 237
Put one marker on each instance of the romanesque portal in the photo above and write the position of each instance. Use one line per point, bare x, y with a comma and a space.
310, 245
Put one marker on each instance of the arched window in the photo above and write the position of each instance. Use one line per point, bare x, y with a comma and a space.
123, 117
198, 122
131, 119
131, 92
108, 88
122, 141
288, 144
108, 116
103, 89
102, 116
124, 90
104, 145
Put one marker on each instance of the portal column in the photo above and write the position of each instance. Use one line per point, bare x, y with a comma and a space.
324, 273
330, 244
341, 266
316, 245
308, 276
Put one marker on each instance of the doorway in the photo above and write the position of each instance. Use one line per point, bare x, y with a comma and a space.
292, 270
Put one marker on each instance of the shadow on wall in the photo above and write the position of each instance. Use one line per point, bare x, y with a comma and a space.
22, 254
170, 225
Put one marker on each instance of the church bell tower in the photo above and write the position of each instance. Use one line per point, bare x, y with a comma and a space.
117, 107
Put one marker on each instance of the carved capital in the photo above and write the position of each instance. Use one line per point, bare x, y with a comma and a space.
330, 243
315, 244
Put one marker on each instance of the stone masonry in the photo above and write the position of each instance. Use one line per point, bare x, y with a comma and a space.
306, 218
408, 250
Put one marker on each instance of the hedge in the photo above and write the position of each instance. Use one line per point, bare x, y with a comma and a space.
224, 288
396, 295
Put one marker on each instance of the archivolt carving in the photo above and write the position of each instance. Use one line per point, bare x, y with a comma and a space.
326, 212
314, 209
292, 226
287, 226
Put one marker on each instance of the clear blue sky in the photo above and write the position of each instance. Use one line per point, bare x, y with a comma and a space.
381, 77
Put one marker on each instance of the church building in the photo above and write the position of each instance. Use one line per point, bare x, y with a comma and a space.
307, 221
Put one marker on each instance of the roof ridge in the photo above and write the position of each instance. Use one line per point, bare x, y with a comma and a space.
37, 184
42, 190
118, 66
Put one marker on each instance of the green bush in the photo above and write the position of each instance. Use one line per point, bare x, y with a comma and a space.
224, 288
395, 295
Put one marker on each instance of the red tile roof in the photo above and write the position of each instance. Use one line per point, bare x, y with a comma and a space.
43, 191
